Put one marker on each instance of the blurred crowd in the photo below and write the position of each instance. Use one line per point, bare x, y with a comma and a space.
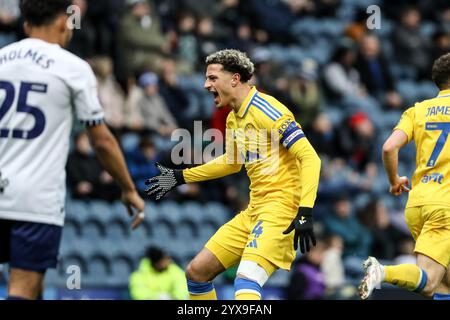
346, 84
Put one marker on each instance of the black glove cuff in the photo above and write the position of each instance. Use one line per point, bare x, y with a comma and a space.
178, 174
304, 211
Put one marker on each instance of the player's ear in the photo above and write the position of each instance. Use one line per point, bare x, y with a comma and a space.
235, 79
61, 22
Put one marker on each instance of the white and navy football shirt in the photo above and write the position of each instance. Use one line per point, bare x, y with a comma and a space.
41, 87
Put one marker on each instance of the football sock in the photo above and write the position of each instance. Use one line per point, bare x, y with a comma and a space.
441, 296
201, 290
246, 289
407, 276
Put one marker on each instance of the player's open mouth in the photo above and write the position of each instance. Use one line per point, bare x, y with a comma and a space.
216, 97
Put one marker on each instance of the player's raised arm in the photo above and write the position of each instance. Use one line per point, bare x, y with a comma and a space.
112, 159
171, 178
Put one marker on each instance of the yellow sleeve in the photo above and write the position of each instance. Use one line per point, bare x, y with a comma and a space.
220, 167
310, 174
293, 139
406, 123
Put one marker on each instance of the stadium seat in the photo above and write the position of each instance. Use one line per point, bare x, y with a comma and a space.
121, 268
186, 229
73, 259
77, 209
216, 212
93, 230
71, 230
101, 210
117, 230
99, 270
163, 230
206, 230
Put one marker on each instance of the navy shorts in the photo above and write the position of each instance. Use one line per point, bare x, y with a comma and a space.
28, 245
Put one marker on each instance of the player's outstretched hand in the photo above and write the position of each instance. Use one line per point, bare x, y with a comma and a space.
163, 183
135, 205
400, 185
303, 226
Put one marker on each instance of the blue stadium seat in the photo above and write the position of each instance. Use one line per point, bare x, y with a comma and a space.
99, 270
217, 212
117, 230
164, 230
101, 210
73, 259
71, 230
77, 209
93, 230
192, 210
121, 269
140, 235
206, 230
54, 279
169, 210
187, 229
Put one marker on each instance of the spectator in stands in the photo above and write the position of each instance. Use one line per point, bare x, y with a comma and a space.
83, 42
375, 74
174, 96
141, 37
357, 140
242, 38
358, 27
263, 13
332, 265
307, 279
141, 162
340, 76
444, 19
85, 176
158, 278
441, 44
411, 46
323, 136
267, 71
209, 39
342, 222
305, 93
9, 21
386, 236
109, 92
151, 111
187, 46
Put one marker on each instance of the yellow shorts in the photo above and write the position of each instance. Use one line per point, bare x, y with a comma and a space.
430, 228
252, 236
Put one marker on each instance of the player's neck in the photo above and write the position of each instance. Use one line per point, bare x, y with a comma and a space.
46, 34
241, 95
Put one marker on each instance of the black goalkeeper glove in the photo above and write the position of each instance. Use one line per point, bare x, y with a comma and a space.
303, 226
163, 183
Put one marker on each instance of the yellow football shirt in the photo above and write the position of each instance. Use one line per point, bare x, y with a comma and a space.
282, 166
428, 124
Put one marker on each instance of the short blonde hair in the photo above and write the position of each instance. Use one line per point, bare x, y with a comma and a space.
233, 61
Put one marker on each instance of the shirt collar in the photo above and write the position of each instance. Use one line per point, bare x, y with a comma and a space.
247, 102
444, 93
